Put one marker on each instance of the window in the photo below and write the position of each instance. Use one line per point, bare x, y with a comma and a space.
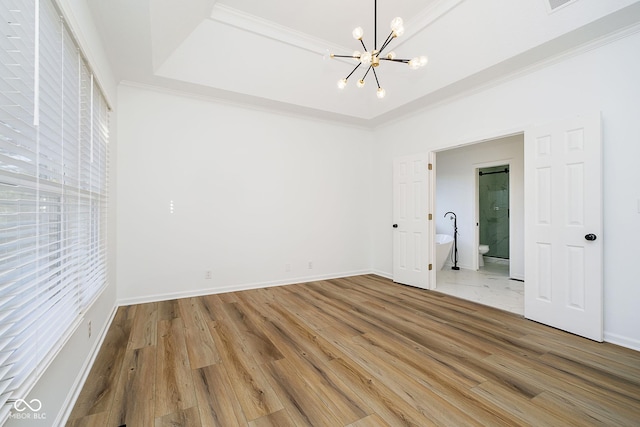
54, 131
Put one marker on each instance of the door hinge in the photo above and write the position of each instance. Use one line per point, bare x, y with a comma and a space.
430, 267
430, 166
430, 217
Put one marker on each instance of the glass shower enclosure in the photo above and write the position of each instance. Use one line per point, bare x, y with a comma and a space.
493, 199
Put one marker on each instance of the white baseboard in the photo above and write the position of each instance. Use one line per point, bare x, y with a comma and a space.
72, 397
235, 288
384, 274
616, 339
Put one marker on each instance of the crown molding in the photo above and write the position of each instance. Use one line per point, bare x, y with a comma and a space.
262, 27
265, 28
425, 18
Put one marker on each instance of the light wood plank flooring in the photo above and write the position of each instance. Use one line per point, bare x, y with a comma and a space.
357, 352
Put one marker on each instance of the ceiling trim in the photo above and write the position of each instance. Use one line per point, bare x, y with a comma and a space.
426, 17
265, 28
262, 27
250, 102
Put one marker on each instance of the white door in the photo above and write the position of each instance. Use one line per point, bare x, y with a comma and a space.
563, 226
410, 221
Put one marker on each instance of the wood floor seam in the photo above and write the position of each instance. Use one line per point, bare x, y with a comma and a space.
360, 351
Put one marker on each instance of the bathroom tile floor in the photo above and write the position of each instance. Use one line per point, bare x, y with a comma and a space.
489, 286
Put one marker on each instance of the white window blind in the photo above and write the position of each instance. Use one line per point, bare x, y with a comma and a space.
54, 133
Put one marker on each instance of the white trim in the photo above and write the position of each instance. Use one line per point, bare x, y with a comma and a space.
262, 27
551, 10
414, 108
384, 274
616, 339
74, 392
270, 107
236, 288
425, 18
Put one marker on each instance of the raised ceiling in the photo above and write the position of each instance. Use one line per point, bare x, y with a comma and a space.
274, 53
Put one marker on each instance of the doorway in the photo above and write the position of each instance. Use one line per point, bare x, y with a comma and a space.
457, 182
493, 215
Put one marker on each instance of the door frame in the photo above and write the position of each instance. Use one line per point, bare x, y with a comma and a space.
505, 133
476, 170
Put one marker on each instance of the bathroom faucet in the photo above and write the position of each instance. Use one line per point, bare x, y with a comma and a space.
455, 239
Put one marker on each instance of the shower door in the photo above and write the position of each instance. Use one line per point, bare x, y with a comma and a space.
493, 199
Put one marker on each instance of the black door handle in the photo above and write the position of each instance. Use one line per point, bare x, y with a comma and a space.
395, 225
591, 237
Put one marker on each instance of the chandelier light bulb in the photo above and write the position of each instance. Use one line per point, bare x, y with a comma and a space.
373, 59
365, 58
396, 23
397, 27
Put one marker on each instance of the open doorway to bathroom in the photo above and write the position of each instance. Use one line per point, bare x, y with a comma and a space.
496, 221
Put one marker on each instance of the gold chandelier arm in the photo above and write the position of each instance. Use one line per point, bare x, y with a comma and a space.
344, 56
387, 41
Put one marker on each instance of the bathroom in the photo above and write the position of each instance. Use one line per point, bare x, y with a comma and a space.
489, 210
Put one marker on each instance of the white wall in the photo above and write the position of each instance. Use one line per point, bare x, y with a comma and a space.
604, 79
252, 192
456, 187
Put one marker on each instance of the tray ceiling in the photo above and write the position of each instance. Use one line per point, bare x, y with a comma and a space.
275, 54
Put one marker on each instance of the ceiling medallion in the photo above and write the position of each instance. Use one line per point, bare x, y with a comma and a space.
371, 59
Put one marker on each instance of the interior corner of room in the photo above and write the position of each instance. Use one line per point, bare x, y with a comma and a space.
235, 164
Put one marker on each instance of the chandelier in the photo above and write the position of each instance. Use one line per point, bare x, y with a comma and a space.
371, 59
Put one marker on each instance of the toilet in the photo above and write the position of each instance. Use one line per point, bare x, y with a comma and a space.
482, 249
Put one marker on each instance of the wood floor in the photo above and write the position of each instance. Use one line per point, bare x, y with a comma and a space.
357, 352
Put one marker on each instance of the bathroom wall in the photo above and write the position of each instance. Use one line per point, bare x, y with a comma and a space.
456, 183
493, 210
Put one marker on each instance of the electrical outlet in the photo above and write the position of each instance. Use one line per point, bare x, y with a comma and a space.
287, 267
310, 265
89, 327
208, 274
